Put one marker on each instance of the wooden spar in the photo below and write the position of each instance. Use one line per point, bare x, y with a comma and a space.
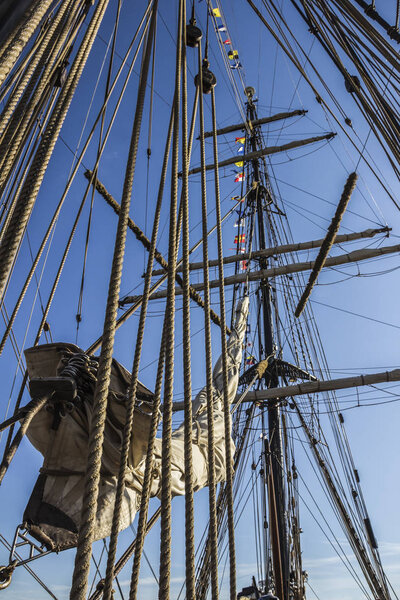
328, 242
347, 237
250, 124
313, 387
141, 237
356, 256
264, 152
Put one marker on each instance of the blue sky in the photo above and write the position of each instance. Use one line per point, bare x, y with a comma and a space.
352, 344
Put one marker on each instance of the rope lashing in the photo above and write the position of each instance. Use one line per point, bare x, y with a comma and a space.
262, 367
328, 241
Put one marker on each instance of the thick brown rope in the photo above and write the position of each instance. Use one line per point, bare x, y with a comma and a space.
13, 235
147, 479
25, 30
166, 496
40, 56
141, 237
328, 241
187, 380
34, 97
141, 531
67, 247
43, 320
92, 479
213, 532
96, 344
224, 353
8, 456
132, 398
146, 486
70, 181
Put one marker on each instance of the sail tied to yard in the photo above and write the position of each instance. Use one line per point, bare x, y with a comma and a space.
92, 420
60, 432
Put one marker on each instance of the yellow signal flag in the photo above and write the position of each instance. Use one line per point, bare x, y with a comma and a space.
239, 164
240, 140
216, 12
233, 54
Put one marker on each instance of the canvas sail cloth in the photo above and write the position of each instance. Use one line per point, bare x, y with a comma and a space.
53, 512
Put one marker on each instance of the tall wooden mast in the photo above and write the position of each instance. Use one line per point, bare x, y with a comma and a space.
278, 521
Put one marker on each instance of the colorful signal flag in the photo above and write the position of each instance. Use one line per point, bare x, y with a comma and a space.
216, 12
243, 265
240, 150
227, 42
237, 198
240, 140
240, 239
221, 28
239, 177
239, 164
250, 360
233, 54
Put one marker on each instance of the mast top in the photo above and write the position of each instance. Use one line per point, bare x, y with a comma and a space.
249, 91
